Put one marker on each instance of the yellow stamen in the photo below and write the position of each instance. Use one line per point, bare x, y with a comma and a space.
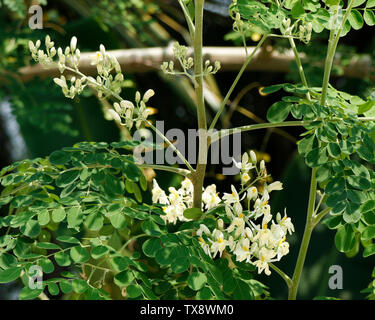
220, 240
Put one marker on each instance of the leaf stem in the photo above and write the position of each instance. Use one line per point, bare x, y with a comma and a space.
179, 154
299, 65
282, 274
243, 69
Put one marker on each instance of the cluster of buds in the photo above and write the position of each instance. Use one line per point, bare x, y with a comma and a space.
180, 53
238, 24
211, 69
105, 65
303, 32
68, 59
70, 56
251, 235
76, 85
126, 113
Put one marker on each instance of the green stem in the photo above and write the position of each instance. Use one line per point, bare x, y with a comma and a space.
187, 18
311, 221
182, 172
305, 240
179, 154
226, 132
321, 215
198, 177
299, 65
132, 239
224, 102
282, 274
328, 68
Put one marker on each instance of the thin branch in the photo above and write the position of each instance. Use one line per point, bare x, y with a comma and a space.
226, 132
183, 172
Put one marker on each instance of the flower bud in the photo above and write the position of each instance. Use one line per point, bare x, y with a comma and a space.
73, 44
32, 47
137, 97
220, 224
127, 104
149, 94
262, 166
114, 115
253, 156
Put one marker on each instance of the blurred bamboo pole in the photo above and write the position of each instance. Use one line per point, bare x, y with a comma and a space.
232, 58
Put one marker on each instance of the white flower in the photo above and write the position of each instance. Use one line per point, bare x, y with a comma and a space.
242, 250
205, 246
158, 194
262, 166
233, 197
237, 209
282, 249
174, 197
244, 165
267, 217
238, 225
171, 214
277, 231
203, 230
245, 178
261, 206
210, 197
285, 223
231, 243
265, 256
219, 245
96, 58
187, 187
277, 185
252, 193
249, 233
264, 237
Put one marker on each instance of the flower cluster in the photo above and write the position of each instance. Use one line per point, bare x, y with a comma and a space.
126, 113
249, 233
179, 200
180, 52
108, 82
303, 31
